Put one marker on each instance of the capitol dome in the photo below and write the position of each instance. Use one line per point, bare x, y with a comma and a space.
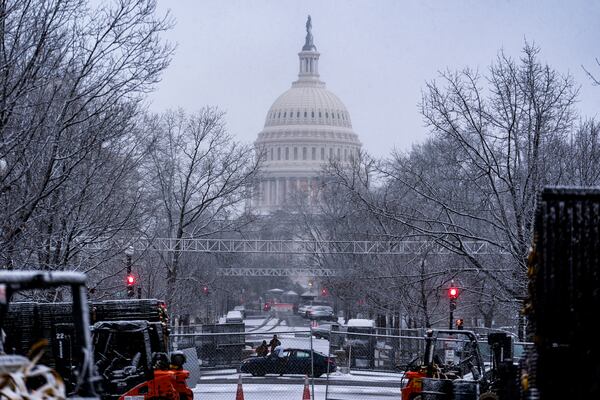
308, 105
304, 129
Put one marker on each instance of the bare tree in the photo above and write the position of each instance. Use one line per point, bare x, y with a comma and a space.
200, 177
71, 86
593, 77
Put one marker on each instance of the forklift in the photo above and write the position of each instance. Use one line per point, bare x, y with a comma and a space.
134, 363
451, 364
131, 355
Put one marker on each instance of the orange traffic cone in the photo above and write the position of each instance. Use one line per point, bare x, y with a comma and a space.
240, 391
306, 394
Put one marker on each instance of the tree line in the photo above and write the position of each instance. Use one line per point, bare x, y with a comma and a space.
83, 161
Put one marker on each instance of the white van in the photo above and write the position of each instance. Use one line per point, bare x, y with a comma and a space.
234, 317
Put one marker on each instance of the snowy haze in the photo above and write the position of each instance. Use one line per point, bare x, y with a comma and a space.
375, 55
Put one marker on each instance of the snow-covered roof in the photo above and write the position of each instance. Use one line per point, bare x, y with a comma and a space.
363, 323
291, 293
275, 290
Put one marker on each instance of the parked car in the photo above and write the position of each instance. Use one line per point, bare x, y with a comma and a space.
321, 312
294, 361
323, 331
302, 309
234, 317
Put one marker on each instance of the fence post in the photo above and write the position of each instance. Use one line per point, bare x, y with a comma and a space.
350, 357
312, 364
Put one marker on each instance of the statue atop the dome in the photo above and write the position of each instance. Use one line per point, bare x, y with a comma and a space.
308, 44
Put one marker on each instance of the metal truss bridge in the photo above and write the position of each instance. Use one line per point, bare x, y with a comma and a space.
291, 246
294, 272
306, 247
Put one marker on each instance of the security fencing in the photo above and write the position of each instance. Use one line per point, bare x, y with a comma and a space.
329, 364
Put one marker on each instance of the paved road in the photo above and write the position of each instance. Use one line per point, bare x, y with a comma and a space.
294, 320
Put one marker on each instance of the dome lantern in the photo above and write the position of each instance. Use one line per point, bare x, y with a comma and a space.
309, 59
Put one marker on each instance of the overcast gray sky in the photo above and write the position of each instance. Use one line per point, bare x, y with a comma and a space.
375, 55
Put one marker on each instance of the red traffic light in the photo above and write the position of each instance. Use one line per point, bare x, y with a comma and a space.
453, 293
324, 292
205, 290
130, 280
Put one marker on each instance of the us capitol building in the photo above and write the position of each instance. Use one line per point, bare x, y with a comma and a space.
305, 127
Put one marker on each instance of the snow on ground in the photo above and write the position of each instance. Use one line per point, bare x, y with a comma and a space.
368, 376
254, 322
293, 392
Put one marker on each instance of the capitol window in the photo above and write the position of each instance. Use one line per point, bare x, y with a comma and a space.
305, 114
330, 153
345, 154
284, 114
319, 114
326, 115
271, 154
314, 153
298, 114
312, 114
278, 153
304, 155
279, 114
322, 153
295, 153
287, 153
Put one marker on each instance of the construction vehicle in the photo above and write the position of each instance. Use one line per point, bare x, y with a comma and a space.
450, 356
129, 342
23, 378
129, 367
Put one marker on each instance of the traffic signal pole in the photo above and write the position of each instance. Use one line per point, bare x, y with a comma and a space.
452, 296
451, 319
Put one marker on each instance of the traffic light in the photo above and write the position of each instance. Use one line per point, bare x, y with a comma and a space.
453, 293
459, 324
130, 279
324, 292
205, 290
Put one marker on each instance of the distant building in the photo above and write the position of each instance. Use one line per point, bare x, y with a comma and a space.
305, 127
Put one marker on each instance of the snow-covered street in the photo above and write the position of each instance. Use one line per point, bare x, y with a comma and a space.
293, 392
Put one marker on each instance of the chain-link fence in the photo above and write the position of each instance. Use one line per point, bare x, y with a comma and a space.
332, 362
